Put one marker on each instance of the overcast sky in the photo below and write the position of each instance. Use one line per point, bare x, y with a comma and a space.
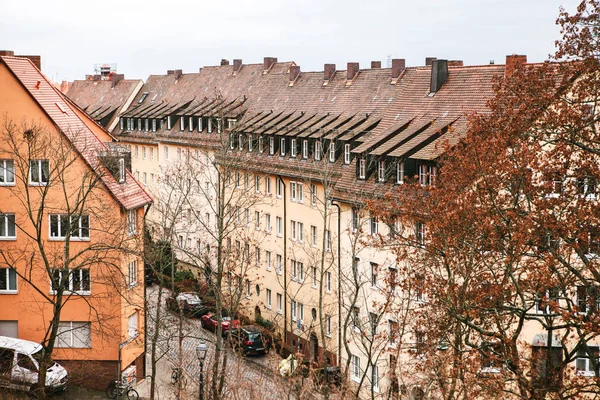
149, 37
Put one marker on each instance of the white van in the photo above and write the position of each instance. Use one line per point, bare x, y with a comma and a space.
19, 366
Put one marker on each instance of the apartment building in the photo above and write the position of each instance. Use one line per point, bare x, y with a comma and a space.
308, 150
72, 216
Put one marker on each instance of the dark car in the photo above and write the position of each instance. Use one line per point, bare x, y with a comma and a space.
209, 321
250, 340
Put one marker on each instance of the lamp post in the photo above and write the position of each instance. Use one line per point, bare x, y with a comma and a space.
201, 354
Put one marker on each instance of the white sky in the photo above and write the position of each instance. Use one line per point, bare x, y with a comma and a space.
149, 37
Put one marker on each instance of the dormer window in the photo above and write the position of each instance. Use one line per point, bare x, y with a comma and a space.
362, 168
231, 123
271, 146
121, 170
240, 142
182, 123
168, 122
318, 147
250, 143
427, 175
191, 124
219, 125
381, 171
199, 124
400, 173
153, 124
332, 151
122, 123
347, 153
129, 124
209, 130
282, 147
231, 142
261, 145
293, 148
139, 124
305, 149
146, 124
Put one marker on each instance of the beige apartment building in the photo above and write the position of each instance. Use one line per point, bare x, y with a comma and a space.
300, 154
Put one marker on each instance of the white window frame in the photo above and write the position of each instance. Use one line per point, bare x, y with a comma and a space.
169, 126
7, 173
318, 148
374, 226
166, 152
400, 173
268, 223
133, 326
381, 171
313, 235
331, 151
39, 165
293, 148
356, 368
279, 183
9, 272
269, 260
279, 266
282, 147
7, 220
328, 282
279, 226
271, 145
131, 222
71, 288
182, 123
60, 220
279, 302
347, 153
269, 298
191, 124
327, 240
328, 325
305, 149
133, 273
66, 335
362, 168
268, 185
313, 194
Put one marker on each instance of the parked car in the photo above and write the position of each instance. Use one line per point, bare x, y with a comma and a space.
19, 366
250, 340
209, 321
190, 303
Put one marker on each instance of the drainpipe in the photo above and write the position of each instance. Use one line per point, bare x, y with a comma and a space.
285, 298
339, 262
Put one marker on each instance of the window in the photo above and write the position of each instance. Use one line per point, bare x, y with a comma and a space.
301, 312
305, 149
168, 122
544, 299
247, 181
420, 233
132, 325
294, 310
427, 175
7, 172
331, 151
328, 325
282, 147
393, 329
248, 290
318, 146
145, 179
356, 369
279, 223
257, 183
374, 226
375, 378
279, 264
347, 153
300, 193
166, 151
268, 222
39, 172
279, 187
327, 240
191, 124
261, 145
271, 146
144, 152
8, 228
180, 241
587, 187
231, 123
315, 278
133, 272
400, 173
293, 230
79, 227
279, 302
268, 185
300, 267
356, 318
210, 126
257, 220
313, 194
374, 322
131, 222
179, 154
238, 179
269, 299
392, 278
293, 148
381, 171
293, 191
200, 124
257, 255
584, 364
300, 232
240, 142
77, 281
313, 235
296, 192
362, 168
8, 280
328, 281
182, 123
268, 254
153, 124
73, 335
491, 357
587, 299
356, 268
122, 123
374, 269
139, 124
121, 170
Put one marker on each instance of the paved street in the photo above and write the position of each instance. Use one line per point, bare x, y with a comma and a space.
247, 378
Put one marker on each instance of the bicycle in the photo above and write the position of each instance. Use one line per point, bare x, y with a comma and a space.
177, 375
117, 389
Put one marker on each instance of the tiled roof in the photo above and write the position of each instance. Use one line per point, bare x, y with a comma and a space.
129, 194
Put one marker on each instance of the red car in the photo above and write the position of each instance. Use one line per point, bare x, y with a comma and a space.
209, 321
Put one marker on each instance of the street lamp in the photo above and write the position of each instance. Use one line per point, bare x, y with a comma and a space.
201, 354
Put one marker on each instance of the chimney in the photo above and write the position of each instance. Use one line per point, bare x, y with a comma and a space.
294, 74
89, 77
116, 78
7, 53
328, 72
398, 65
36, 60
430, 60
170, 72
268, 63
455, 63
375, 64
513, 62
439, 74
224, 62
352, 71
237, 64
177, 73
97, 77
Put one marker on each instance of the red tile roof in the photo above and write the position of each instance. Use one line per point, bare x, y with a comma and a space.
130, 194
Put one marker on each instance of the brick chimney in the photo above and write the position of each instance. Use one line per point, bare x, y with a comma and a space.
294, 74
352, 70
430, 60
268, 63
455, 63
177, 73
439, 74
328, 72
513, 62
375, 64
224, 62
237, 64
398, 65
115, 78
170, 72
36, 60
7, 53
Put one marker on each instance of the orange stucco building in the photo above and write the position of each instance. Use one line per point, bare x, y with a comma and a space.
71, 228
